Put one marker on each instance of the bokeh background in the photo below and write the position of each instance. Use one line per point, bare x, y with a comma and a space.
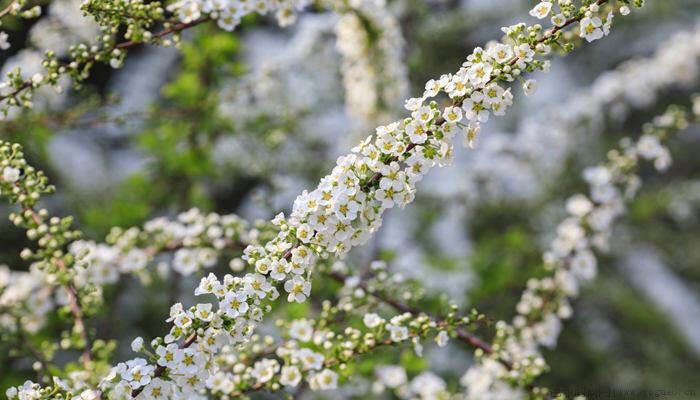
242, 122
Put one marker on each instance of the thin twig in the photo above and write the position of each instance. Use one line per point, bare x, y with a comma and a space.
176, 28
8, 9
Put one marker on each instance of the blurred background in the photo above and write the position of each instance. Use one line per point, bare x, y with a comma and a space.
242, 122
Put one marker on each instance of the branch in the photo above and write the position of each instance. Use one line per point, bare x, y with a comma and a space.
464, 335
179, 27
9, 8
73, 300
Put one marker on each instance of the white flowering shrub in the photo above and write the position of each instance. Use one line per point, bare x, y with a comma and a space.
201, 243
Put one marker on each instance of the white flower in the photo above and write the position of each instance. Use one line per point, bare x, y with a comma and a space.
10, 175
137, 344
458, 85
417, 346
304, 233
584, 265
416, 132
413, 103
649, 146
524, 52
579, 205
234, 304
298, 289
157, 389
345, 208
597, 176
474, 108
372, 320
185, 262
263, 266
423, 115
189, 11
541, 10
326, 380
452, 114
442, 338
4, 44
134, 260
301, 329
558, 20
310, 359
169, 356
432, 88
429, 386
280, 269
207, 257
264, 370
191, 361
590, 28
203, 312
302, 255
137, 372
480, 73
548, 330
391, 376
624, 10
183, 320
227, 22
207, 285
290, 376
529, 86
608, 23
501, 53
256, 285
398, 333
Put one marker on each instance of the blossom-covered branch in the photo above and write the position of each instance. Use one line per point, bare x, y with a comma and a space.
347, 206
137, 19
22, 184
571, 260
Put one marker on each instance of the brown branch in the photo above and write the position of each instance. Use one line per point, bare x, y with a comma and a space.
73, 301
8, 8
464, 335
176, 28
179, 27
440, 121
327, 363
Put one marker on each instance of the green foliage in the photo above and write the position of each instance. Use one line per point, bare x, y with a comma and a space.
506, 254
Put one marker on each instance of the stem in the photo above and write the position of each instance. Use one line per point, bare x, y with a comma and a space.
179, 27
8, 8
464, 335
73, 301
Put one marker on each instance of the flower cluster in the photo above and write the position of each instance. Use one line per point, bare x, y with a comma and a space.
520, 164
424, 386
341, 213
314, 351
347, 206
228, 14
63, 23
17, 8
571, 260
22, 184
24, 300
194, 239
591, 27
374, 75
136, 18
